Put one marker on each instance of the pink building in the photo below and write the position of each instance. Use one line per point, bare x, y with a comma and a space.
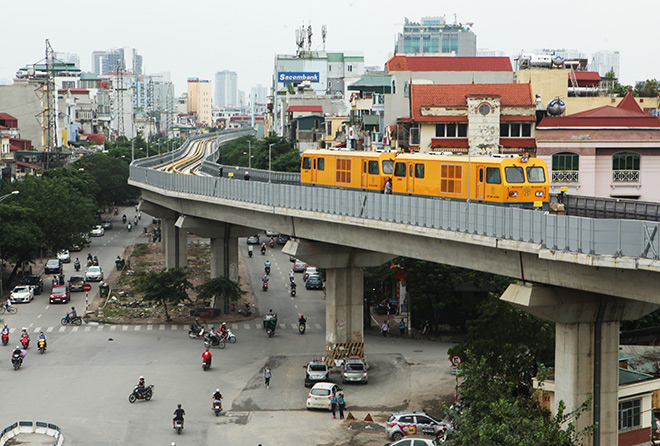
611, 152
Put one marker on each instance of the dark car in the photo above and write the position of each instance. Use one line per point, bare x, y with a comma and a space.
77, 282
36, 281
107, 224
314, 282
53, 266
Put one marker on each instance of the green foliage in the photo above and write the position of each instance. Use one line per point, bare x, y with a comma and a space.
219, 288
646, 89
610, 74
108, 177
168, 287
284, 157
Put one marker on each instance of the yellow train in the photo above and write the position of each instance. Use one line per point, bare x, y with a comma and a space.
506, 180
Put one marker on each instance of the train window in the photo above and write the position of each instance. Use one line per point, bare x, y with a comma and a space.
493, 175
400, 170
373, 167
321, 164
451, 179
535, 174
419, 170
307, 163
343, 170
388, 167
514, 174
410, 171
481, 175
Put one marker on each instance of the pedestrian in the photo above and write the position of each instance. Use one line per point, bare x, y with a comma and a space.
267, 376
385, 328
341, 402
402, 327
246, 177
333, 405
388, 186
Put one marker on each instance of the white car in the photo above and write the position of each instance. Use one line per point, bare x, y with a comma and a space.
64, 256
22, 293
94, 274
97, 231
319, 396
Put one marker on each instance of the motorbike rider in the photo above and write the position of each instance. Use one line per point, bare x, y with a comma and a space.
263, 248
5, 331
95, 261
123, 218
217, 396
264, 279
42, 336
18, 352
302, 320
293, 285
224, 331
129, 227
270, 320
73, 314
89, 259
178, 415
250, 250
213, 336
196, 327
272, 242
76, 264
292, 276
25, 335
141, 386
7, 304
267, 266
206, 356
61, 278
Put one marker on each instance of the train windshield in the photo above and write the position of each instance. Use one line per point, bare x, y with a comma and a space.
514, 174
388, 167
535, 174
307, 163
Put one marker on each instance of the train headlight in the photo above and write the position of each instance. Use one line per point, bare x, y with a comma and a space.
513, 193
539, 193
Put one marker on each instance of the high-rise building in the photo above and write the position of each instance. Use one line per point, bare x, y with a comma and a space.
199, 99
433, 35
226, 89
117, 59
604, 61
68, 58
258, 94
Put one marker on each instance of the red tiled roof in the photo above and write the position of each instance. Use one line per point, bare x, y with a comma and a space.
305, 108
587, 76
6, 116
31, 166
14, 147
510, 118
629, 103
448, 63
455, 95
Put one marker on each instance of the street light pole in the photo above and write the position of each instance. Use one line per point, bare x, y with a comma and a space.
270, 147
249, 155
4, 197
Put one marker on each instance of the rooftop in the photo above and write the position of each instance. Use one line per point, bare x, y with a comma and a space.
448, 63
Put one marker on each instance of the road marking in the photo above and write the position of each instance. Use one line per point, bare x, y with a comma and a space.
37, 329
88, 328
234, 326
30, 326
294, 326
49, 329
74, 329
62, 329
161, 327
174, 327
38, 316
150, 327
100, 328
124, 327
113, 327
137, 327
258, 326
283, 326
318, 326
246, 326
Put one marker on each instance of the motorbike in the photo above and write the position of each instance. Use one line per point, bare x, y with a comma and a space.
66, 320
178, 426
265, 285
116, 211
301, 327
76, 266
272, 243
146, 394
217, 407
135, 220
5, 339
250, 254
95, 261
25, 341
206, 363
214, 341
123, 219
270, 322
263, 250
41, 345
17, 360
293, 291
267, 270
129, 227
192, 334
247, 311
231, 337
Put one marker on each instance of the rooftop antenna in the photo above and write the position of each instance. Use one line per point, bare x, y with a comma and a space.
309, 38
324, 32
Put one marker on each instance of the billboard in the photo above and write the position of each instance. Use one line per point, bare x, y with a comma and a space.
288, 77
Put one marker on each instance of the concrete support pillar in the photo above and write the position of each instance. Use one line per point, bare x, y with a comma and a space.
586, 349
175, 244
344, 305
224, 258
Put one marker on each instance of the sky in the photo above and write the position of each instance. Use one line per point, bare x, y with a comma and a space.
199, 38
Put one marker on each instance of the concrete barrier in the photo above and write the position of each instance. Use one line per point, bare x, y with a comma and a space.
30, 427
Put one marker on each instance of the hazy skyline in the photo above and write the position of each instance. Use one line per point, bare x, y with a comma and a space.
208, 36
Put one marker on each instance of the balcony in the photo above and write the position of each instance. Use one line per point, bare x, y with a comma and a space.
625, 176
565, 176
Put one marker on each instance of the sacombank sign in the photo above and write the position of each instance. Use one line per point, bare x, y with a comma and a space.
287, 77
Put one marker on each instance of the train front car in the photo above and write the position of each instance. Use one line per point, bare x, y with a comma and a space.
526, 183
347, 169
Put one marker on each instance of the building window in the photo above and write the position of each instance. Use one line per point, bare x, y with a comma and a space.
406, 90
630, 414
414, 136
515, 130
349, 68
625, 167
565, 167
451, 130
393, 86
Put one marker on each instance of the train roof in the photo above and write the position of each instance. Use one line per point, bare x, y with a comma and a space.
350, 153
496, 159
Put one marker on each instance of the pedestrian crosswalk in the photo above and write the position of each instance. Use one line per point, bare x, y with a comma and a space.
237, 327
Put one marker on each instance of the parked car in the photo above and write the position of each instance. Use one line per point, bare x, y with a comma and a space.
64, 256
354, 369
253, 239
53, 266
271, 234
316, 371
76, 282
35, 281
416, 441
97, 231
21, 294
310, 271
299, 266
314, 282
106, 225
94, 274
414, 423
59, 295
319, 395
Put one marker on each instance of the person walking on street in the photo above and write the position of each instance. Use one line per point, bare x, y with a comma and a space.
342, 405
385, 328
333, 405
402, 327
267, 376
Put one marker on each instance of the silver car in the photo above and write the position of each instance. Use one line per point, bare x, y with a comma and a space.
22, 293
354, 369
94, 274
316, 371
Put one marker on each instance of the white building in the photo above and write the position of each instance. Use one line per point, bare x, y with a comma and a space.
604, 61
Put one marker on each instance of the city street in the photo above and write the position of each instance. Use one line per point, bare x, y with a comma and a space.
83, 381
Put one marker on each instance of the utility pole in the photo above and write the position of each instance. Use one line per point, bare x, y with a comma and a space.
51, 111
120, 101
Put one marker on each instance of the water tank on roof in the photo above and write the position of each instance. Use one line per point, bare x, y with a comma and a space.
556, 107
557, 60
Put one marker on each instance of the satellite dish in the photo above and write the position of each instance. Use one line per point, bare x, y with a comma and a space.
556, 107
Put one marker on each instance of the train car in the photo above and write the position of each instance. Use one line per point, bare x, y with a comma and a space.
347, 169
506, 180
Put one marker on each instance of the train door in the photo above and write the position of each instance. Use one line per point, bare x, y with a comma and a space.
314, 170
481, 183
410, 184
364, 177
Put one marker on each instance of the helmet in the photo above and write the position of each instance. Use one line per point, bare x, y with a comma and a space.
41, 332
247, 173
73, 308
179, 406
18, 347
302, 315
141, 377
212, 327
224, 323
217, 390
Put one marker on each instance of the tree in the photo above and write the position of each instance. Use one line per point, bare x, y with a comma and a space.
168, 287
220, 288
284, 156
647, 89
109, 177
